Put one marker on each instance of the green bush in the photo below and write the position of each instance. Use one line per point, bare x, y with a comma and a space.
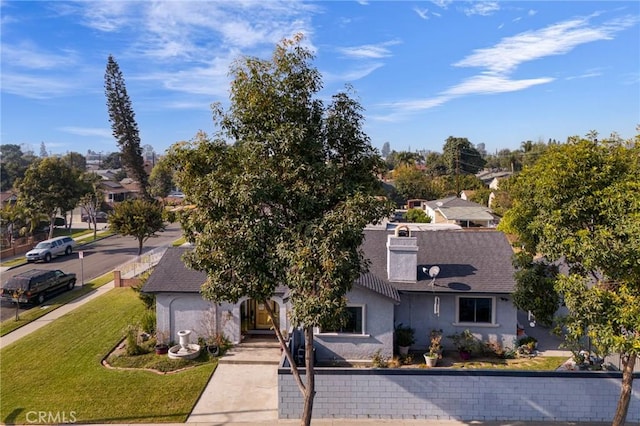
132, 345
148, 321
526, 340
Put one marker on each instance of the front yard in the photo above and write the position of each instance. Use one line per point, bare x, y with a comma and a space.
57, 370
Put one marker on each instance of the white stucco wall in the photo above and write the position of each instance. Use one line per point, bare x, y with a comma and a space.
188, 311
180, 311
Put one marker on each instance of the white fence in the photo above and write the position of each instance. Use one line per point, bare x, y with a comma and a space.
146, 261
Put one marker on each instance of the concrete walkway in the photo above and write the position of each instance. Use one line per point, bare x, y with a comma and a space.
244, 387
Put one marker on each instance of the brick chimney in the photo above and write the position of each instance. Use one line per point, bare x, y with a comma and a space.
402, 256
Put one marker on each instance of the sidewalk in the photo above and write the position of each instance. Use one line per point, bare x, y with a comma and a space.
53, 315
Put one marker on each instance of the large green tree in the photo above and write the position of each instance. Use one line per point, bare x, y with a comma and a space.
48, 186
91, 201
161, 178
138, 218
76, 160
281, 195
461, 157
112, 161
411, 182
13, 165
123, 124
580, 203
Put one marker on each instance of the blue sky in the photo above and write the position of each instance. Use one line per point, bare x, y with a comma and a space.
497, 73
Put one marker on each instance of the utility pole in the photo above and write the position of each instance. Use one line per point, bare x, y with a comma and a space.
458, 170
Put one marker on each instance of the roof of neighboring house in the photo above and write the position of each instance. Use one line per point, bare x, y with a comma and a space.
454, 208
6, 196
469, 261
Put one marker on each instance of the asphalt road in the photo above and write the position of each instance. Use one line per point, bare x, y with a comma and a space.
99, 258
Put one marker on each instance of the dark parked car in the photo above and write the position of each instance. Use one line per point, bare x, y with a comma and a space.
35, 285
101, 217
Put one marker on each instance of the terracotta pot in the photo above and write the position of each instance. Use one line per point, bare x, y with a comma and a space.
162, 349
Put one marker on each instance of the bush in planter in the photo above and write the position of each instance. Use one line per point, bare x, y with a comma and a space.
405, 335
465, 342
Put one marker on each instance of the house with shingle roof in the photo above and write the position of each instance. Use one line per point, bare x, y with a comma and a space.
421, 275
460, 212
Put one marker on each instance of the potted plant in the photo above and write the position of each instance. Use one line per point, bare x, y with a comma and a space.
405, 337
527, 345
212, 346
435, 348
161, 346
465, 343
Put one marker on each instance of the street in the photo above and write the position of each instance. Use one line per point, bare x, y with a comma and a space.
99, 258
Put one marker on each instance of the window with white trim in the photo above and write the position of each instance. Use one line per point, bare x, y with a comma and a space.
477, 310
355, 323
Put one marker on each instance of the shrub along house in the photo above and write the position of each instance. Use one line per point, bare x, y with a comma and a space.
419, 275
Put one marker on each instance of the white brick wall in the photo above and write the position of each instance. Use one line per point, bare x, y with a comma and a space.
460, 395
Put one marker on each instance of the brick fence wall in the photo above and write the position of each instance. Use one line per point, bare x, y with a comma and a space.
459, 395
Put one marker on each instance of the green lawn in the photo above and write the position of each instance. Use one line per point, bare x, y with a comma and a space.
26, 316
58, 369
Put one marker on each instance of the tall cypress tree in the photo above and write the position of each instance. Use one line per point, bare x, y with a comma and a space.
123, 123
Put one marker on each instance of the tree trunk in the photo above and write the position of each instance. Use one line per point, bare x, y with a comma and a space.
628, 364
140, 242
310, 388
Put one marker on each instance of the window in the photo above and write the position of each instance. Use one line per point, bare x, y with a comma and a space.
476, 310
355, 322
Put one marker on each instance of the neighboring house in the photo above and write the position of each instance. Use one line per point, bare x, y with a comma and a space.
491, 178
415, 203
471, 291
115, 192
7, 198
460, 212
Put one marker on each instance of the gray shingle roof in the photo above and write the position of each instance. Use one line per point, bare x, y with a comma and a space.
469, 261
378, 285
172, 275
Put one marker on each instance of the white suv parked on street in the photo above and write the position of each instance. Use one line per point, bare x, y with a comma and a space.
47, 249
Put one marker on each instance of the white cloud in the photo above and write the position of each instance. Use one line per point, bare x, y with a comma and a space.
482, 8
368, 51
498, 62
421, 104
586, 74
87, 131
555, 39
352, 74
442, 3
423, 13
35, 87
488, 84
27, 55
107, 16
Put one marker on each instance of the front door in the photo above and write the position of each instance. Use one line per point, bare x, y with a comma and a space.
256, 316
